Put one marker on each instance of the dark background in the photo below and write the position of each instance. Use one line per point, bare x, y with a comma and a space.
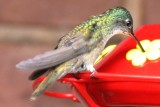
29, 27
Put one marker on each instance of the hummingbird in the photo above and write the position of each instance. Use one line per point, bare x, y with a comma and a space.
78, 49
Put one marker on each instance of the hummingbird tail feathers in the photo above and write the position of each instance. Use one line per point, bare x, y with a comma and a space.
51, 78
53, 75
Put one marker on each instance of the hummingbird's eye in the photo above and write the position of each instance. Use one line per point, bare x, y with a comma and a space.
94, 25
128, 22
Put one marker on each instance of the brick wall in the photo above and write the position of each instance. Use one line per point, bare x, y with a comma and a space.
64, 13
44, 21
51, 12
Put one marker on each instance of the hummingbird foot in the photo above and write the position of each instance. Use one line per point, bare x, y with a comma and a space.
91, 68
92, 75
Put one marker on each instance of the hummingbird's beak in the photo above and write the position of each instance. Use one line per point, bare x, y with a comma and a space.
133, 35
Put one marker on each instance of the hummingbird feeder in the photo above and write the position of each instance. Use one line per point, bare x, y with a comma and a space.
117, 82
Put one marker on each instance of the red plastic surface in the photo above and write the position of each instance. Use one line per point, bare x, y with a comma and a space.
54, 94
117, 82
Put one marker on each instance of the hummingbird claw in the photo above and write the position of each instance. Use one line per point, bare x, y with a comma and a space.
91, 68
92, 75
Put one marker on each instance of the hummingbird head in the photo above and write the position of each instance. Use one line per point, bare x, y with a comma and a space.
119, 24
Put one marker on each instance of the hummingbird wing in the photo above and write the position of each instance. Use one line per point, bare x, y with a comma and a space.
54, 57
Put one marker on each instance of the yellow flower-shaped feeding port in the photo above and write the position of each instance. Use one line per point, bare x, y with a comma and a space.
105, 52
152, 52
